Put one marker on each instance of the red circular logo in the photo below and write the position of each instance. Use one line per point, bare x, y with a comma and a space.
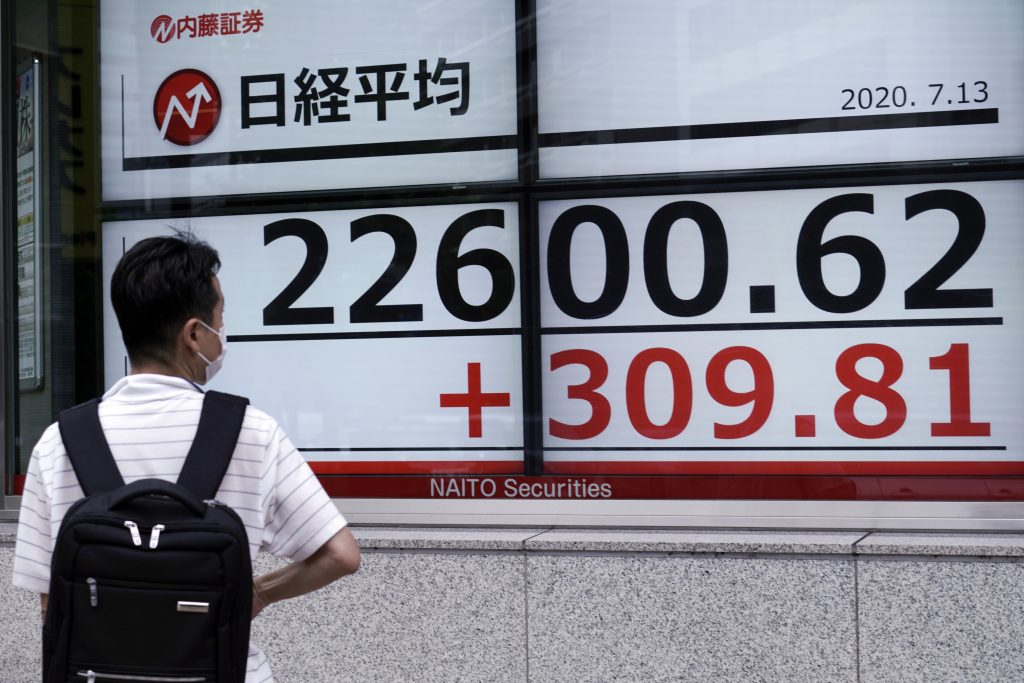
163, 28
186, 107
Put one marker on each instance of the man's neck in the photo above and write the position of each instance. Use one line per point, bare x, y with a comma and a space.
147, 367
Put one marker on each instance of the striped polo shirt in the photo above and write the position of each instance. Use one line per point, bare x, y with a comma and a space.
150, 422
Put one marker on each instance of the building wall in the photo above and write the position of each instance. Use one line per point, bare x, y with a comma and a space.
594, 605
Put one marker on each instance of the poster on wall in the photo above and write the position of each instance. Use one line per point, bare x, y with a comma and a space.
268, 97
695, 86
28, 225
385, 341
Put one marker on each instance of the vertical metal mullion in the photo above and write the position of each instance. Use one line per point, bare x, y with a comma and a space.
526, 56
526, 98
8, 454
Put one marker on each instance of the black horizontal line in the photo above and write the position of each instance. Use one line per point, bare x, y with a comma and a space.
621, 329
416, 450
774, 448
798, 325
353, 151
380, 334
827, 124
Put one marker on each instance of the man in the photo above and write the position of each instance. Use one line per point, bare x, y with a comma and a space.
170, 308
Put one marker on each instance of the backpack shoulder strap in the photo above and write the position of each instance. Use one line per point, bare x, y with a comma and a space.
220, 423
87, 448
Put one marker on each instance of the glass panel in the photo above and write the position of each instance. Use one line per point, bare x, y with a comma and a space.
655, 87
871, 331
321, 96
57, 196
383, 339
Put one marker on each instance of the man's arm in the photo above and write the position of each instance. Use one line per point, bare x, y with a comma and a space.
336, 558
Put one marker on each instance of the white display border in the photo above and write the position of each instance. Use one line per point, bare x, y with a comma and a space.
743, 514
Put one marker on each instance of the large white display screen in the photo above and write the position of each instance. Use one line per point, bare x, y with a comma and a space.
267, 96
869, 330
835, 343
820, 343
687, 86
383, 340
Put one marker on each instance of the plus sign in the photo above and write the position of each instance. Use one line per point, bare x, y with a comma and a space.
475, 399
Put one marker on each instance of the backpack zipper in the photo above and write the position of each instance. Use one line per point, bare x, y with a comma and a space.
94, 676
94, 593
134, 528
159, 585
194, 525
154, 536
199, 525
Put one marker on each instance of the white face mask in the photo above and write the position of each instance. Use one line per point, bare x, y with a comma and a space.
214, 366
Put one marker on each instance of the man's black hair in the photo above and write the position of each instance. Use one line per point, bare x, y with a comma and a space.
159, 284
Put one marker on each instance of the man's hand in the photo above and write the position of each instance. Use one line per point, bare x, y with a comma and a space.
258, 603
336, 558
44, 601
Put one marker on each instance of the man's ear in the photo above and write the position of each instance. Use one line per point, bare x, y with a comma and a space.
189, 335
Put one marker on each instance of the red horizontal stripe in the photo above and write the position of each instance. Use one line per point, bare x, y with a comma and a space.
678, 487
829, 468
419, 467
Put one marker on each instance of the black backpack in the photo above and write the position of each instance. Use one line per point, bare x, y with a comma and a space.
150, 581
